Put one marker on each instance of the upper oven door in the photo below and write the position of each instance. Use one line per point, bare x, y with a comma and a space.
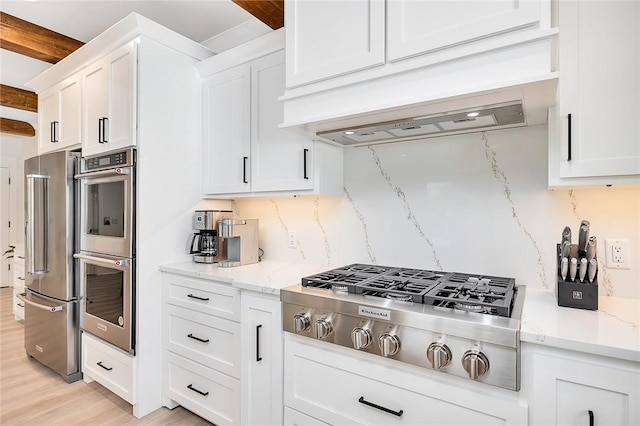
107, 211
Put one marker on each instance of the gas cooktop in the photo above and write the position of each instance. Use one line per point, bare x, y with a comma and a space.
474, 293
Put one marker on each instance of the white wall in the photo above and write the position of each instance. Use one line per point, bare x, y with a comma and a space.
474, 203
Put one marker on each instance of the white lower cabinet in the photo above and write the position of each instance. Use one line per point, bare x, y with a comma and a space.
296, 418
574, 388
340, 386
110, 367
18, 286
261, 359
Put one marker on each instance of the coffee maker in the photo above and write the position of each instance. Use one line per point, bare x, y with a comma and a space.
239, 239
204, 245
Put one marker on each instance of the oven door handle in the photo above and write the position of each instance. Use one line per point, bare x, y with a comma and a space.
102, 261
22, 297
109, 172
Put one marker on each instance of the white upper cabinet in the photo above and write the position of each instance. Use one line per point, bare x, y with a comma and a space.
245, 152
282, 160
334, 37
227, 131
110, 102
416, 27
594, 130
59, 116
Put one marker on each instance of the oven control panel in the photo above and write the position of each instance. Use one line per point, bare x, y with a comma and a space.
108, 161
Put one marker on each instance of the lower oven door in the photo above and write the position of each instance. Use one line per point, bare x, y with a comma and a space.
108, 298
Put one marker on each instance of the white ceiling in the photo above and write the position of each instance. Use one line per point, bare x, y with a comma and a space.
218, 24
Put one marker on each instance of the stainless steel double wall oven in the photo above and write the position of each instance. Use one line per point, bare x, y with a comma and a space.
106, 260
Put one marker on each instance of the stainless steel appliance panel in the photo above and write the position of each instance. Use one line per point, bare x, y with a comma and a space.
49, 222
52, 334
107, 304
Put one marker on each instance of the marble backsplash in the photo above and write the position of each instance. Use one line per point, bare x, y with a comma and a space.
474, 203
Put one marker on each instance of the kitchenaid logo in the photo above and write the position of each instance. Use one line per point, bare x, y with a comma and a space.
374, 313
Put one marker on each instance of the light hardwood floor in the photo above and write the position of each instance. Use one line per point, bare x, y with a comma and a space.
31, 394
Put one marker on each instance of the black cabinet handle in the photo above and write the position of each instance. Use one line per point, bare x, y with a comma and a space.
105, 120
191, 336
204, 299
106, 368
569, 137
244, 169
304, 159
52, 132
56, 124
591, 420
21, 305
100, 130
258, 357
198, 391
381, 408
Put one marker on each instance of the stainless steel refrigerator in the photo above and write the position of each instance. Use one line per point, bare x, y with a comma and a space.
52, 333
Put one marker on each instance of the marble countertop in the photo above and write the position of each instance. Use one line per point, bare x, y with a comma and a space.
264, 277
613, 330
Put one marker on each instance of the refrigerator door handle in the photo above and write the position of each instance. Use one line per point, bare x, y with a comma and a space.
103, 261
37, 224
22, 296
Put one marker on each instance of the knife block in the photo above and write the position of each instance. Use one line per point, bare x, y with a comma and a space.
575, 294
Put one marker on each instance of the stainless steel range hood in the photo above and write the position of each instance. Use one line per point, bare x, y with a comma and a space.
503, 115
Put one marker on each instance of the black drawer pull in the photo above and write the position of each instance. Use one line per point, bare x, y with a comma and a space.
21, 305
258, 357
591, 419
106, 368
304, 163
196, 390
204, 299
381, 408
191, 336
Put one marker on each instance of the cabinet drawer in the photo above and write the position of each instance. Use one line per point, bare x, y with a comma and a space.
324, 382
18, 305
108, 366
209, 340
296, 418
207, 297
208, 393
18, 273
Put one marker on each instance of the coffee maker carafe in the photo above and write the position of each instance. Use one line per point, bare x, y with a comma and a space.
204, 244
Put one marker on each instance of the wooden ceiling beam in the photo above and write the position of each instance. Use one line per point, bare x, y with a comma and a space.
271, 12
16, 127
13, 97
32, 40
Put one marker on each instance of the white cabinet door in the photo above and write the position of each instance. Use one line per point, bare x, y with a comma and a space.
566, 386
595, 132
281, 160
70, 112
415, 27
227, 115
60, 116
47, 120
110, 102
261, 360
328, 38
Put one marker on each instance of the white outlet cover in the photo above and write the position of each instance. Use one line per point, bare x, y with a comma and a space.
617, 247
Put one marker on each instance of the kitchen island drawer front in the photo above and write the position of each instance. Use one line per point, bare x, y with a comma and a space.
296, 418
203, 296
18, 305
110, 367
340, 388
212, 341
211, 395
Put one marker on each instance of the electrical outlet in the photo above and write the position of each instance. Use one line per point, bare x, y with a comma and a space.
617, 253
293, 241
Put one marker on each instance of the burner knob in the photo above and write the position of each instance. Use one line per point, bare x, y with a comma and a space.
323, 328
389, 344
439, 355
475, 363
361, 337
301, 323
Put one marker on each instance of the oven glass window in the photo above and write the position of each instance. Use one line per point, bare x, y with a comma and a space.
105, 209
104, 293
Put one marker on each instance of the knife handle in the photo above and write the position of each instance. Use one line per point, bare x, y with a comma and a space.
592, 246
592, 269
566, 235
564, 249
564, 268
583, 269
573, 268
